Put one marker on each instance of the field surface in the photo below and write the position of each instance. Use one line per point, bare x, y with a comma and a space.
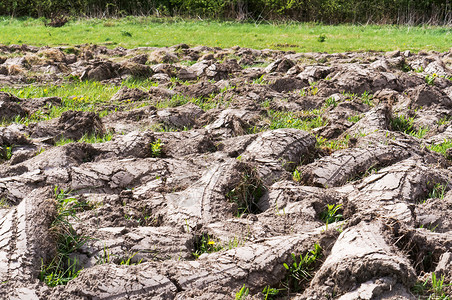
129, 170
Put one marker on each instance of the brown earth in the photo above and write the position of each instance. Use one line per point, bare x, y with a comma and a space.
259, 190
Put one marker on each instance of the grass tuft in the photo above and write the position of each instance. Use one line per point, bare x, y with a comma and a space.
333, 144
300, 271
441, 147
247, 193
406, 125
438, 191
63, 267
86, 138
355, 118
432, 289
402, 123
4, 203
280, 119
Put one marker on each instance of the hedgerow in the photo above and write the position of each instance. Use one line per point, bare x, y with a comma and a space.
437, 12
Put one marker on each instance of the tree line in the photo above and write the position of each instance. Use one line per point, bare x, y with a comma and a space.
435, 12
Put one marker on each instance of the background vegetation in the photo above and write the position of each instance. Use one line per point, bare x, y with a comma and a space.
438, 12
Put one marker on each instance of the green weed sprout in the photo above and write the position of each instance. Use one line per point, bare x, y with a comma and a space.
269, 292
206, 245
438, 191
330, 102
241, 295
366, 98
105, 258
156, 148
4, 203
430, 80
300, 271
355, 118
6, 152
260, 80
433, 288
127, 262
296, 176
332, 214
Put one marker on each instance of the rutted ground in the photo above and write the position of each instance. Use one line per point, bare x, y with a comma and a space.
211, 179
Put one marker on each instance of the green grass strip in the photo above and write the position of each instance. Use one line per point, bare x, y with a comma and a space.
154, 32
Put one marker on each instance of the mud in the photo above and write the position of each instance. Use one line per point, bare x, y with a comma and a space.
251, 163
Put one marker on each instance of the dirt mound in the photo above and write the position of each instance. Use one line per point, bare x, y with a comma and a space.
281, 175
129, 95
9, 108
71, 125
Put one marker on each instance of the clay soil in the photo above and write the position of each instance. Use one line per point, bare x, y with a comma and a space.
215, 176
